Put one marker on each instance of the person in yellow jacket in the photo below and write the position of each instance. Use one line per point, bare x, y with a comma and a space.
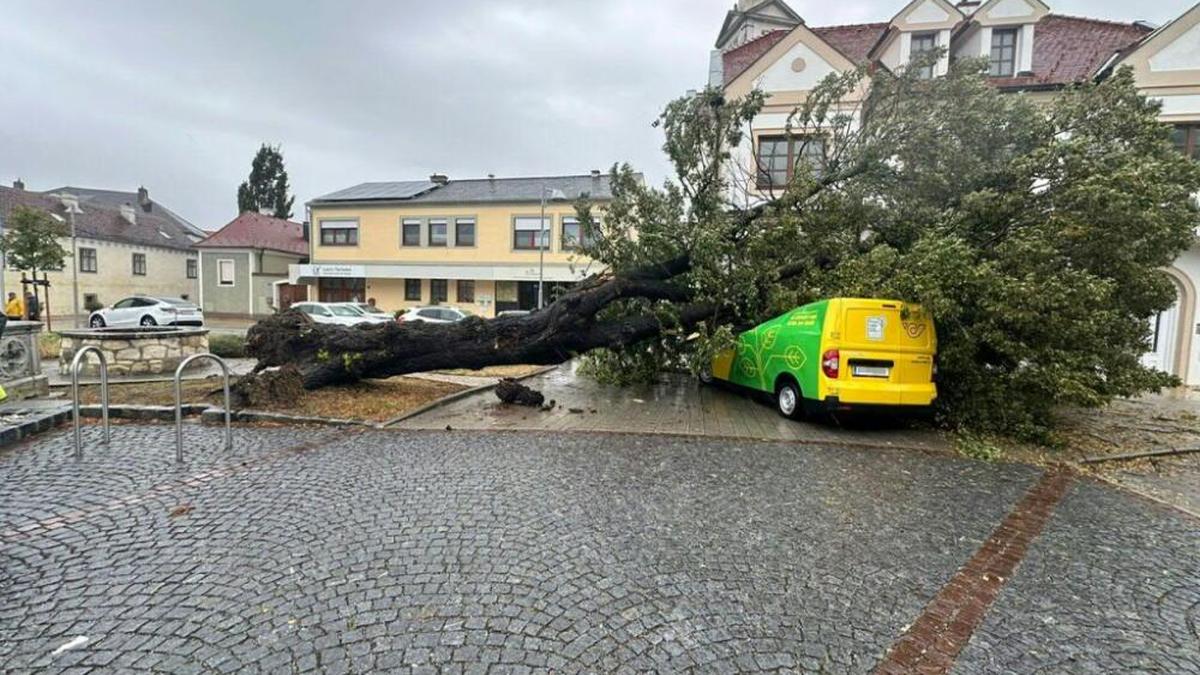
15, 308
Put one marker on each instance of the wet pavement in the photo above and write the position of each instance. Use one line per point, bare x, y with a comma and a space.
676, 405
416, 551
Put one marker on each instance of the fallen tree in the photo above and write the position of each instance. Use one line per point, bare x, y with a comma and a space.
1034, 235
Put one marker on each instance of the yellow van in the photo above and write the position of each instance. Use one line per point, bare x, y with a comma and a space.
837, 355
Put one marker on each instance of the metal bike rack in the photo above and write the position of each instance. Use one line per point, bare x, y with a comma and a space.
179, 402
75, 363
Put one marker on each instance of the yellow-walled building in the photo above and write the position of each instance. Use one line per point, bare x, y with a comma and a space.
471, 244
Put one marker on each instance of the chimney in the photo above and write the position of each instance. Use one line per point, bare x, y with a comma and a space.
596, 174
19, 184
439, 178
128, 213
144, 199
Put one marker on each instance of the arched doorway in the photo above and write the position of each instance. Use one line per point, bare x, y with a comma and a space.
1169, 335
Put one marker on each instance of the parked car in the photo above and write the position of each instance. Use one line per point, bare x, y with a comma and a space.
336, 313
144, 310
435, 314
514, 312
369, 312
842, 354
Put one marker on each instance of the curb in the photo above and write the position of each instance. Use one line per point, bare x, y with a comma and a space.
451, 398
1112, 482
34, 426
215, 415
161, 413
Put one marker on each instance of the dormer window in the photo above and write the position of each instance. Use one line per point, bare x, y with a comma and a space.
1003, 62
923, 43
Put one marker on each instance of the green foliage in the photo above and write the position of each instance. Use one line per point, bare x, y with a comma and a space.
977, 447
92, 303
1033, 233
267, 187
31, 239
227, 346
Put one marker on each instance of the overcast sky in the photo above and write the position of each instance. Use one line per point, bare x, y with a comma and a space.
177, 96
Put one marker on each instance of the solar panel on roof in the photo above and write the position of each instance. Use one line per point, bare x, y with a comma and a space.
390, 190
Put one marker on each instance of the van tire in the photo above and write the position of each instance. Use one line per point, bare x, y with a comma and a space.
705, 376
788, 401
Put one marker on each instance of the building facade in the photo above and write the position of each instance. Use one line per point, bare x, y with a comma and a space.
244, 266
119, 252
763, 45
473, 244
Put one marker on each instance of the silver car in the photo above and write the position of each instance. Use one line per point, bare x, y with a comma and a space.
435, 314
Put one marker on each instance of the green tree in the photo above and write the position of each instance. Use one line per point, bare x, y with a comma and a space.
1035, 235
267, 187
31, 240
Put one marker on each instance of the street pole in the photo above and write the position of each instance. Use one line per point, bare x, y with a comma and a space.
542, 252
74, 270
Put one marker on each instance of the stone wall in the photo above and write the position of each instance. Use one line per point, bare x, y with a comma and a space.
131, 351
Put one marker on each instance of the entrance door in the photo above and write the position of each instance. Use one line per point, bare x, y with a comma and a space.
527, 292
342, 290
290, 293
1164, 337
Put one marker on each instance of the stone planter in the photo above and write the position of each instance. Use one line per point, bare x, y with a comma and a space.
134, 351
20, 362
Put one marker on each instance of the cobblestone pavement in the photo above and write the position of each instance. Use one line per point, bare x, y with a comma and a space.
378, 550
678, 405
1129, 570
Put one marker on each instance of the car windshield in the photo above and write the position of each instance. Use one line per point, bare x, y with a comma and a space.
342, 310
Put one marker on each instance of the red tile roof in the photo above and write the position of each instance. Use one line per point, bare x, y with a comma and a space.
739, 59
1068, 49
254, 230
854, 41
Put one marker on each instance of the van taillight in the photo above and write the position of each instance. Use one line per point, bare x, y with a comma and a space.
830, 363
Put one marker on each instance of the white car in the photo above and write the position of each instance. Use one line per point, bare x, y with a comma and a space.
336, 313
144, 310
435, 314
369, 312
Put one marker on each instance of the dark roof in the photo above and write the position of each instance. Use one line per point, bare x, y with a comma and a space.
113, 199
1069, 49
404, 189
100, 222
1066, 49
738, 60
854, 41
254, 230
498, 190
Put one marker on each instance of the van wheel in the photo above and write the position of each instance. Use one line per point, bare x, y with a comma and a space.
788, 401
706, 376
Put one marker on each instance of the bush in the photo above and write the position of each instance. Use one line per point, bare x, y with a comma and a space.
92, 303
227, 346
978, 447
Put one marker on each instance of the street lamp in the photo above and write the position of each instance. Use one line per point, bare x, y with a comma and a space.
72, 207
555, 195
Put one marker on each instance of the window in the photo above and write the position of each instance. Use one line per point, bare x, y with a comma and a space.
412, 289
778, 157
437, 232
924, 43
466, 291
339, 233
438, 291
87, 260
573, 235
191, 268
1004, 52
139, 264
410, 233
525, 233
1187, 140
225, 272
464, 232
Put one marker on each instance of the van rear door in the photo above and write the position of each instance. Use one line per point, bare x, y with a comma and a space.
886, 353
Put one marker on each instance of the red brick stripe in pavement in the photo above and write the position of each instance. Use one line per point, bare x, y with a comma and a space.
935, 639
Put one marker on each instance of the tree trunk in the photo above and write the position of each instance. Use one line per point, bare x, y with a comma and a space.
327, 354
